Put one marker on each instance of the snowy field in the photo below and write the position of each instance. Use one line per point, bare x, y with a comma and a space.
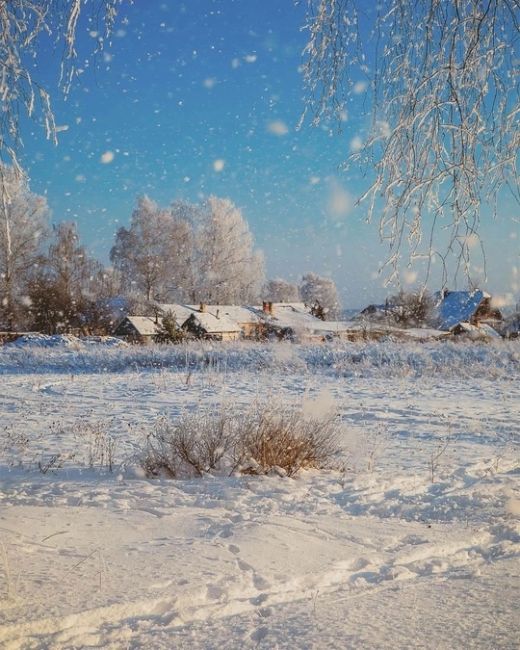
414, 544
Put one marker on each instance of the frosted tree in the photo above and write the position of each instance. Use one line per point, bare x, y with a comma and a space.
280, 290
445, 129
23, 24
66, 286
229, 269
321, 295
23, 225
154, 255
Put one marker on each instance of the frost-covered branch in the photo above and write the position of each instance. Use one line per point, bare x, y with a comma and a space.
445, 129
23, 24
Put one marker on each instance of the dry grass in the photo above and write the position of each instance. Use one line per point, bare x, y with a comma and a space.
256, 442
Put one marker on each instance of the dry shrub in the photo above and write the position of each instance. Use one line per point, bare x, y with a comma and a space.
194, 445
287, 441
257, 442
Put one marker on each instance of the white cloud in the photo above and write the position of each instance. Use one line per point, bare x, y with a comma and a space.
219, 164
250, 58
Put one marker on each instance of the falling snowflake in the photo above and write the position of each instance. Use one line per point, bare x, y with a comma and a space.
107, 157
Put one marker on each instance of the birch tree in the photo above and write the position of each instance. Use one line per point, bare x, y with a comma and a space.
280, 290
66, 287
154, 254
229, 269
444, 135
23, 225
321, 295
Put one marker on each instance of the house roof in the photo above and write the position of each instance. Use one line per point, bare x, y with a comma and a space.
236, 313
180, 312
144, 325
292, 316
458, 306
213, 325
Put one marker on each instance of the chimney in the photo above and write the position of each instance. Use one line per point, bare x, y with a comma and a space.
270, 308
202, 307
265, 307
218, 313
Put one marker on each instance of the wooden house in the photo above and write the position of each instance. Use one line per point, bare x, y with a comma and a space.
473, 307
204, 325
137, 329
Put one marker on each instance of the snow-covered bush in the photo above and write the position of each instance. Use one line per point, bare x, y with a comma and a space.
286, 441
256, 442
193, 445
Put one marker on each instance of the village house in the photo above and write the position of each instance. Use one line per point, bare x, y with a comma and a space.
137, 329
250, 322
295, 322
472, 307
205, 325
247, 318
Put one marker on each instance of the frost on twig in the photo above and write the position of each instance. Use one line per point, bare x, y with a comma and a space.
445, 128
22, 25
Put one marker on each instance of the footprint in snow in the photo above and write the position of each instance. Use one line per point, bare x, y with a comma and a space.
226, 532
259, 600
259, 634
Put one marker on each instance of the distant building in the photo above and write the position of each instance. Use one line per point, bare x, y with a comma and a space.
473, 307
247, 318
216, 327
137, 329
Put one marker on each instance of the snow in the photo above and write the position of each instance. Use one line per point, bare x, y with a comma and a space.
46, 341
236, 313
378, 555
213, 323
144, 325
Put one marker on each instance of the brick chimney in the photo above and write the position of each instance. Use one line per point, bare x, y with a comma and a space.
265, 307
202, 307
270, 307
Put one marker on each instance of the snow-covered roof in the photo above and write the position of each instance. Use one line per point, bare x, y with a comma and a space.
480, 331
235, 313
289, 316
180, 312
458, 306
489, 331
213, 325
293, 306
300, 307
144, 325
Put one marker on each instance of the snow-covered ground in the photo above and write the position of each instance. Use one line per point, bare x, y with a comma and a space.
415, 544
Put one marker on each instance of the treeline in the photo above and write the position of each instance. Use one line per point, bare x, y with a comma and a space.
186, 253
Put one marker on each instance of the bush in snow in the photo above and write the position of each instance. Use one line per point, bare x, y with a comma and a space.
286, 441
257, 442
194, 445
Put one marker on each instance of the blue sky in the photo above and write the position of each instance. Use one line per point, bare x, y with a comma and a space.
200, 98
